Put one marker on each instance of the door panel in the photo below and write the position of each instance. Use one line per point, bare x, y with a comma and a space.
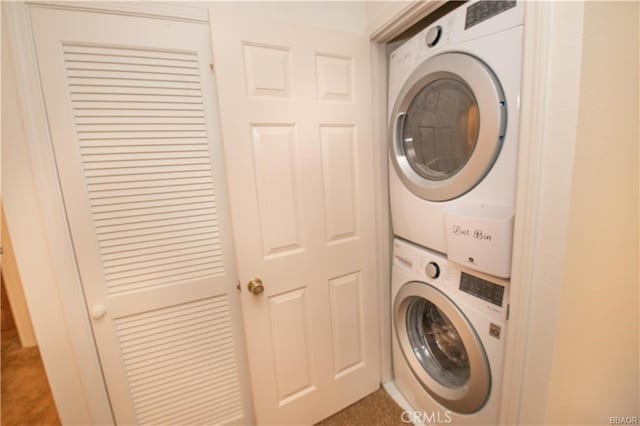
130, 103
348, 331
291, 344
274, 149
339, 182
296, 127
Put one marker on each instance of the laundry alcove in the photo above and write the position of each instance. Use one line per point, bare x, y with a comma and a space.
97, 284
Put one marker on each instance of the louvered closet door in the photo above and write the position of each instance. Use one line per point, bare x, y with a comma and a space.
130, 103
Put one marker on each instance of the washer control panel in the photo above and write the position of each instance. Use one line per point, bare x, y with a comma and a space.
482, 289
488, 294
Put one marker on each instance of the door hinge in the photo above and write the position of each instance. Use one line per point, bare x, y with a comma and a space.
238, 286
508, 310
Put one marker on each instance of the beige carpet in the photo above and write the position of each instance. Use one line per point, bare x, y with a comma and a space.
375, 409
26, 396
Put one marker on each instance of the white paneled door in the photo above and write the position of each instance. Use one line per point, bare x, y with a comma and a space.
131, 109
296, 121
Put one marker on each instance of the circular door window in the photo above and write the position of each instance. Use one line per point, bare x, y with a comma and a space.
437, 344
440, 131
448, 125
441, 348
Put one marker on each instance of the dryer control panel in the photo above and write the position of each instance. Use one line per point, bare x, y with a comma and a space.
485, 9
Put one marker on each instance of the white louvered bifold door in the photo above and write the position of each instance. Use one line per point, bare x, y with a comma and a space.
131, 110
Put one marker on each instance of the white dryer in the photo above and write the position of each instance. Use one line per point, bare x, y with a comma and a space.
454, 93
449, 326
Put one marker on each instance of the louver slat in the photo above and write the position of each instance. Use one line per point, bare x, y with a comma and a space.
186, 371
146, 159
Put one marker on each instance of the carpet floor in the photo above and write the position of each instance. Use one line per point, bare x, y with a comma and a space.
26, 396
375, 409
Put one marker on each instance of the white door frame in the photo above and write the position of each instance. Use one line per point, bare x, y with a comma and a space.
541, 183
64, 320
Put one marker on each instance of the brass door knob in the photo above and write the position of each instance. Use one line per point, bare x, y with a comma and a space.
255, 286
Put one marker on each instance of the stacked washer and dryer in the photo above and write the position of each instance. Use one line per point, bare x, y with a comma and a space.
454, 93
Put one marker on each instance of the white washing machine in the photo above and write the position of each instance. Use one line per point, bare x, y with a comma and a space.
454, 101
449, 326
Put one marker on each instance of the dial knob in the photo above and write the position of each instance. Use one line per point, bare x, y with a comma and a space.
432, 270
433, 36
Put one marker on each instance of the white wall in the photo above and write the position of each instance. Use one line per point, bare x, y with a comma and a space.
595, 362
15, 291
343, 16
582, 360
354, 17
380, 12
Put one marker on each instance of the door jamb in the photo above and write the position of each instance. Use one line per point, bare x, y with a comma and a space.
383, 236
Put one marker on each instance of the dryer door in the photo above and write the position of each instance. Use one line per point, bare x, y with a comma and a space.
441, 348
447, 126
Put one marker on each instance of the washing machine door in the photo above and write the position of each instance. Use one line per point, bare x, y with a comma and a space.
441, 348
447, 126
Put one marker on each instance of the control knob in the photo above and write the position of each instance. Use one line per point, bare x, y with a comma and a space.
433, 270
433, 36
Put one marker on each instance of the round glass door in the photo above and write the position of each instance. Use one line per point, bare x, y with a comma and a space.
440, 131
437, 344
447, 126
441, 348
